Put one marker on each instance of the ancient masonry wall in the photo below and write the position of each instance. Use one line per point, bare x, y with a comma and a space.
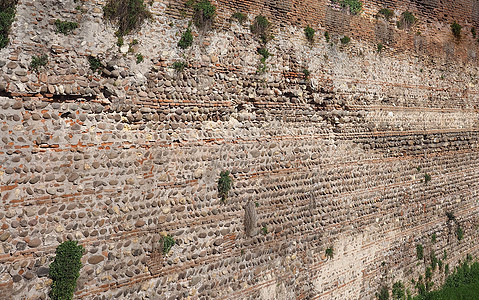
116, 159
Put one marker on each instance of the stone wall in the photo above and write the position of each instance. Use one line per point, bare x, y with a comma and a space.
117, 159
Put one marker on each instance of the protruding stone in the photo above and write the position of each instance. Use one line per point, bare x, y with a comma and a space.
42, 271
95, 259
33, 243
4, 236
17, 105
73, 177
139, 223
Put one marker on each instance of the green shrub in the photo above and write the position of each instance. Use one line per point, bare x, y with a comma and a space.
329, 252
186, 39
240, 17
139, 58
345, 40
309, 33
456, 30
38, 61
398, 291
387, 13
419, 251
406, 21
473, 32
167, 242
95, 63
261, 27
224, 185
354, 6
462, 284
204, 13
326, 36
383, 293
65, 27
7, 15
179, 66
128, 15
433, 238
65, 270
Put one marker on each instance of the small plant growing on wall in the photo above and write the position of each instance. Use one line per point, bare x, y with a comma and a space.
450, 216
95, 63
309, 33
179, 66
127, 15
406, 21
329, 252
456, 30
65, 27
224, 185
386, 13
398, 291
261, 27
383, 293
419, 251
434, 260
306, 73
345, 40
326, 36
7, 15
354, 6
380, 48
38, 61
186, 39
120, 41
427, 178
264, 230
459, 232
139, 58
204, 13
240, 17
264, 56
167, 242
65, 270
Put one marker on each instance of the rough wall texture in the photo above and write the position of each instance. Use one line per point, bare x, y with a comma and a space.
339, 159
